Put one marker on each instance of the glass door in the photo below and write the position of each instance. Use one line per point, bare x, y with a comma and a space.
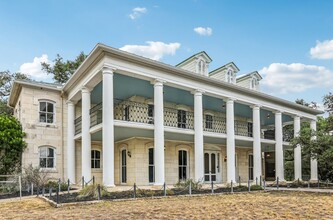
211, 166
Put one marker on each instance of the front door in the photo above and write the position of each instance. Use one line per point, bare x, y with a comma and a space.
212, 166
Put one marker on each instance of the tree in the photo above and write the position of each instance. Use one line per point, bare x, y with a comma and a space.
328, 103
6, 81
302, 102
11, 144
63, 70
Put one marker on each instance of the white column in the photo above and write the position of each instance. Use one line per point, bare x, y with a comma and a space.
256, 143
279, 161
198, 137
297, 150
159, 133
314, 166
86, 138
108, 128
230, 142
70, 141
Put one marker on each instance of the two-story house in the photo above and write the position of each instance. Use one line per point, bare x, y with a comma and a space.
126, 119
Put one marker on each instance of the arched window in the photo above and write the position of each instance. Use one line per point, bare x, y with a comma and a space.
182, 165
254, 83
95, 159
230, 76
46, 112
201, 67
46, 157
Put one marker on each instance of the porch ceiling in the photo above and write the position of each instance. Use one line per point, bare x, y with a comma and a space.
126, 87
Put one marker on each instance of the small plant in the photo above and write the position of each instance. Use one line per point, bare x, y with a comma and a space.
256, 187
35, 176
185, 184
54, 185
92, 191
145, 193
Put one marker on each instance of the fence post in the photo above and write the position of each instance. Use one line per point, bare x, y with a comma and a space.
59, 185
212, 186
264, 185
43, 190
190, 188
134, 195
257, 181
260, 181
249, 185
277, 182
308, 184
327, 181
37, 191
99, 191
93, 180
68, 185
239, 181
50, 191
298, 182
82, 182
32, 189
20, 186
318, 183
232, 187
57, 197
164, 189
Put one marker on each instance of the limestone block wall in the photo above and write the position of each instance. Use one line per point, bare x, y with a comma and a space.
41, 134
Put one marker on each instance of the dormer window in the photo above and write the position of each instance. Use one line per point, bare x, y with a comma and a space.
254, 83
201, 67
230, 76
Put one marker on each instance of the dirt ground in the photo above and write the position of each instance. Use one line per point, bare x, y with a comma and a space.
269, 205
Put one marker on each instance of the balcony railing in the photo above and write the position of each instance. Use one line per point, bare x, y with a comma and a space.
125, 110
287, 135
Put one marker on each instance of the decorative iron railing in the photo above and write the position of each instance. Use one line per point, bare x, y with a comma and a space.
96, 115
78, 125
133, 111
215, 124
287, 135
243, 128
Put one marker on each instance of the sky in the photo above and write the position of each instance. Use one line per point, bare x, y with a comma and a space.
290, 43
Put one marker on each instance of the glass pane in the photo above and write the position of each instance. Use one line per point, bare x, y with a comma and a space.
184, 173
97, 154
50, 162
42, 152
50, 152
151, 174
206, 163
213, 178
206, 177
42, 117
97, 164
213, 164
180, 173
42, 162
123, 174
42, 106
49, 118
49, 107
92, 164
184, 158
180, 156
151, 156
123, 161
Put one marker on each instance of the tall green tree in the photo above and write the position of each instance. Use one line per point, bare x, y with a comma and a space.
328, 103
11, 144
6, 81
63, 70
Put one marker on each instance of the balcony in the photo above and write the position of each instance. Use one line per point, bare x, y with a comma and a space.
130, 111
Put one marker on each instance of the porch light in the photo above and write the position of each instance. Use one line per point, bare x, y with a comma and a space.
268, 115
129, 153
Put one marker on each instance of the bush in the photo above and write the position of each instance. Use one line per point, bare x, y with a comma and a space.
35, 176
54, 185
255, 187
92, 191
184, 184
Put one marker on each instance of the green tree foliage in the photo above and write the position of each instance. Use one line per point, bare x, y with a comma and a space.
328, 102
302, 102
6, 81
63, 70
11, 144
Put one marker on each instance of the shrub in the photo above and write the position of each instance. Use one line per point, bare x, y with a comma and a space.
92, 191
255, 187
54, 185
35, 176
186, 183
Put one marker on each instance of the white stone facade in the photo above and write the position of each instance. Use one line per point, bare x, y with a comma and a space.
117, 106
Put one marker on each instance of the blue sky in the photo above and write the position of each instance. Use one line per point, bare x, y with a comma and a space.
272, 37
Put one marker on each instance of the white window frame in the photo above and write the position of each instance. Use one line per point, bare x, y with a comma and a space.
187, 163
121, 165
153, 165
54, 157
100, 159
54, 111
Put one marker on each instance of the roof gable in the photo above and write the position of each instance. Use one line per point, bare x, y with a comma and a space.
202, 54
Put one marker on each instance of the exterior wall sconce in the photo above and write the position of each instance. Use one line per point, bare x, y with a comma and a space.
225, 159
129, 153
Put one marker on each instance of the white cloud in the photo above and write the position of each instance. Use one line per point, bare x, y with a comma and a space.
154, 50
203, 31
137, 12
296, 77
34, 69
322, 50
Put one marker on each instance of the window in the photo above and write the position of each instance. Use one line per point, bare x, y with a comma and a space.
46, 157
150, 114
46, 112
201, 67
182, 164
95, 159
250, 167
151, 168
229, 76
249, 129
209, 121
123, 166
254, 83
181, 119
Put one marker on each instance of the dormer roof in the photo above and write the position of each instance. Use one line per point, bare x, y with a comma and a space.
226, 66
246, 76
191, 58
